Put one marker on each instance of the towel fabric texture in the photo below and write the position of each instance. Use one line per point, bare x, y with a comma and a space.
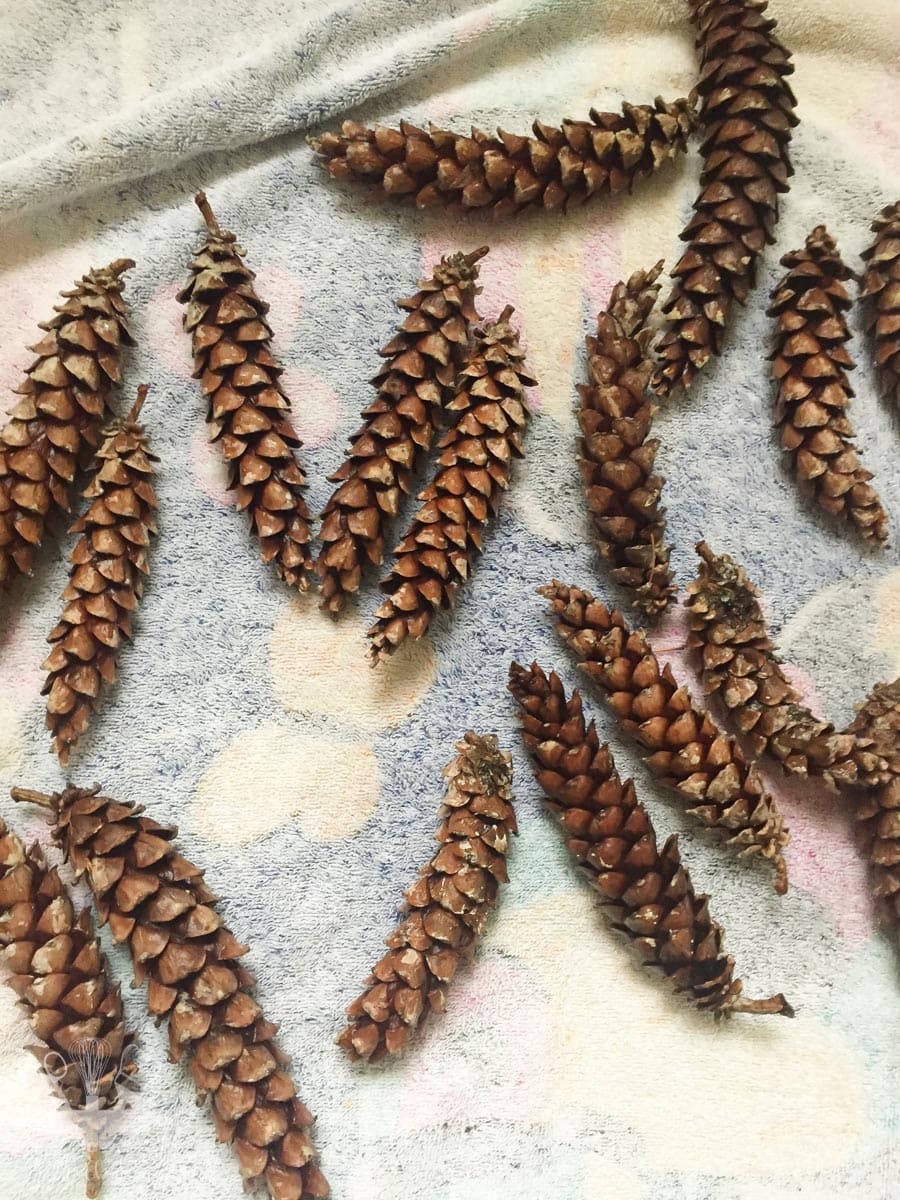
306, 783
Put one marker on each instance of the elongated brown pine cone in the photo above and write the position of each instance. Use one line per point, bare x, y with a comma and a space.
746, 116
555, 168
741, 666
646, 892
158, 902
688, 750
878, 724
444, 541
447, 906
617, 452
881, 292
65, 400
56, 968
106, 580
418, 379
810, 365
248, 412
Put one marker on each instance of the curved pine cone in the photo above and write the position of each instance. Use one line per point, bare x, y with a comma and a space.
158, 902
441, 547
881, 291
555, 168
56, 968
688, 750
741, 666
414, 385
447, 906
106, 581
617, 452
646, 892
65, 401
810, 365
247, 408
746, 116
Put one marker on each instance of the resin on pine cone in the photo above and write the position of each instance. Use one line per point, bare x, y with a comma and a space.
159, 903
645, 891
688, 750
248, 412
741, 666
617, 452
810, 365
440, 549
64, 402
555, 168
746, 117
447, 906
55, 966
106, 580
413, 386
881, 294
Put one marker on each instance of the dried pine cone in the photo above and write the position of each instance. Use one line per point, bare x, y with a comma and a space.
440, 549
418, 379
447, 906
876, 728
746, 115
248, 410
65, 400
105, 580
555, 168
58, 971
810, 365
158, 902
617, 452
689, 752
646, 892
741, 666
881, 290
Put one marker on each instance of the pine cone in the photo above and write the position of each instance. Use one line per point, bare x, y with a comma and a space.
248, 410
413, 386
617, 453
105, 580
877, 732
741, 666
746, 115
689, 752
555, 168
877, 725
810, 365
65, 400
58, 971
448, 905
158, 902
881, 289
440, 549
646, 892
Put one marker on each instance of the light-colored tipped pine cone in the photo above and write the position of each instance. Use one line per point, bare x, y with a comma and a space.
447, 907
881, 294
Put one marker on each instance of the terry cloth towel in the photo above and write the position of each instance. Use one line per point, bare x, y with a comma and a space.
306, 783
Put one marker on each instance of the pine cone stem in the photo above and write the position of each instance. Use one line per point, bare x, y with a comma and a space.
810, 365
135, 411
617, 453
209, 217
557, 167
439, 551
447, 907
159, 903
645, 891
688, 750
413, 388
